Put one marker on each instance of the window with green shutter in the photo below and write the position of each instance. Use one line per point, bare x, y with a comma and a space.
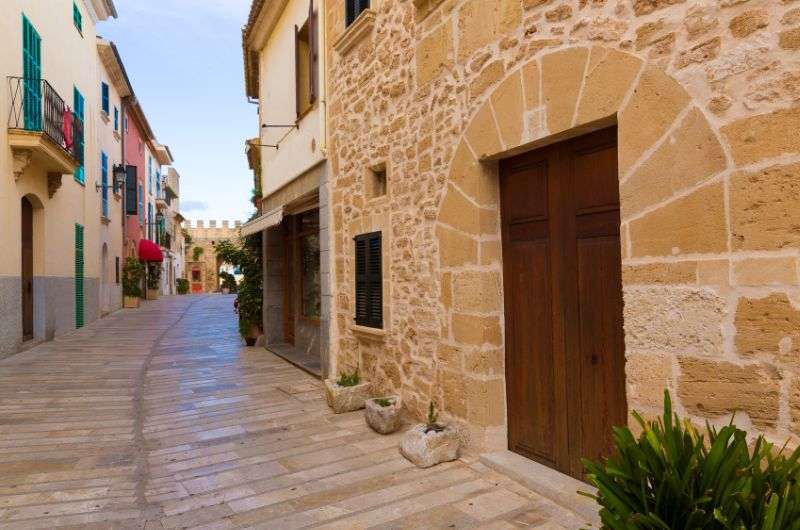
79, 299
104, 182
104, 98
369, 280
77, 18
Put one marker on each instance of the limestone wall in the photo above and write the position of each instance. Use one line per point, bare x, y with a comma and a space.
706, 95
206, 234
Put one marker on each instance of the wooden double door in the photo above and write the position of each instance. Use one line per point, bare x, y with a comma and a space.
565, 371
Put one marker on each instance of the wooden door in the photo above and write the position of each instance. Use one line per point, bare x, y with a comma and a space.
27, 269
563, 301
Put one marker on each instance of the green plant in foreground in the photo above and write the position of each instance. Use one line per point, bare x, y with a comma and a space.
432, 421
672, 477
351, 379
383, 402
132, 274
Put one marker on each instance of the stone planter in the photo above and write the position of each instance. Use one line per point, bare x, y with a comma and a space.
152, 294
347, 398
130, 302
383, 420
426, 449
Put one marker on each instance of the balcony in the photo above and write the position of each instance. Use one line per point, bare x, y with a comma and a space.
163, 200
42, 128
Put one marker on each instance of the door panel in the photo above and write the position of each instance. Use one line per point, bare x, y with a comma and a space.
563, 300
27, 269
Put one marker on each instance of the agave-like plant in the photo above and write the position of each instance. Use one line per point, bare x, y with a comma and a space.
672, 478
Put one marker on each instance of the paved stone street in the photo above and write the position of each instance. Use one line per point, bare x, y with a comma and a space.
159, 418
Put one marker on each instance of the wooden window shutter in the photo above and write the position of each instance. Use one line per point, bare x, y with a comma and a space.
297, 69
313, 53
131, 193
79, 301
369, 280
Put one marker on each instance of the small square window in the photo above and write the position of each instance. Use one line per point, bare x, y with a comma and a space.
377, 182
353, 8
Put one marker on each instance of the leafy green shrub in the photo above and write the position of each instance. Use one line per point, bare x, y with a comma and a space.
196, 253
228, 281
346, 379
672, 477
182, 286
132, 274
245, 255
383, 402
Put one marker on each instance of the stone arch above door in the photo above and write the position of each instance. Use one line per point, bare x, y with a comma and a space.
672, 169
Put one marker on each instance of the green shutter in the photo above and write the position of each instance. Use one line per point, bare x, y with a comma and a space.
79, 302
77, 18
31, 73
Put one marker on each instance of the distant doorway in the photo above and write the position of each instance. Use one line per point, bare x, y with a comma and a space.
27, 269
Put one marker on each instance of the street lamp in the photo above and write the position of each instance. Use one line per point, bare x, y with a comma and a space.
118, 177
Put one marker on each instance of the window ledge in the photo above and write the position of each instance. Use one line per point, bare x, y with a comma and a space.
104, 115
116, 136
355, 32
105, 220
373, 333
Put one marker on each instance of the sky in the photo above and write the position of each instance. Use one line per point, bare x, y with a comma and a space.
184, 60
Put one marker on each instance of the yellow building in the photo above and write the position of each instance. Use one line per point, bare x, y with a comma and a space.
51, 148
285, 75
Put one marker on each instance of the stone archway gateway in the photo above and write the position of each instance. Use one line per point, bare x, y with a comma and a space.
657, 178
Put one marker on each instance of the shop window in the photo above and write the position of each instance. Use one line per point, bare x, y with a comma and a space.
195, 275
369, 280
309, 254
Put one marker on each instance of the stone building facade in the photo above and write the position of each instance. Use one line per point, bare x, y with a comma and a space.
705, 99
203, 273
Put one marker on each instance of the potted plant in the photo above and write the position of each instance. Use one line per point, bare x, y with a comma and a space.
131, 283
182, 286
348, 393
383, 414
153, 280
245, 254
430, 443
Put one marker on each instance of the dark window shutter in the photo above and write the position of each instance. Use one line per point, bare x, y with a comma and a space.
354, 8
369, 280
131, 193
313, 53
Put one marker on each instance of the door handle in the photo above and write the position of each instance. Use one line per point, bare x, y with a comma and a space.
595, 359
29, 286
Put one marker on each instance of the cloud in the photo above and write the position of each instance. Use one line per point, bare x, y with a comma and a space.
194, 206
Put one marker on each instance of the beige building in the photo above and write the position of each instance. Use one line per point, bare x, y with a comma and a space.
170, 235
561, 208
203, 272
51, 277
284, 74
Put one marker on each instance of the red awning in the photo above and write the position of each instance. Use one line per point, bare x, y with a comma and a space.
149, 251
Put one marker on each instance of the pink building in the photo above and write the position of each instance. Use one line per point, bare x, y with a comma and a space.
137, 133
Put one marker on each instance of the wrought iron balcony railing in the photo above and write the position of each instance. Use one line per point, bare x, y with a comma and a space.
37, 107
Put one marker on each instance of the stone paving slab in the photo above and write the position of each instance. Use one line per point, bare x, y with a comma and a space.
158, 418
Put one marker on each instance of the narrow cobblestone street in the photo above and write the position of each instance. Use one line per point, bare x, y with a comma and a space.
158, 418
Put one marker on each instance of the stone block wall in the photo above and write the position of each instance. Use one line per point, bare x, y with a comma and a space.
706, 98
206, 234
